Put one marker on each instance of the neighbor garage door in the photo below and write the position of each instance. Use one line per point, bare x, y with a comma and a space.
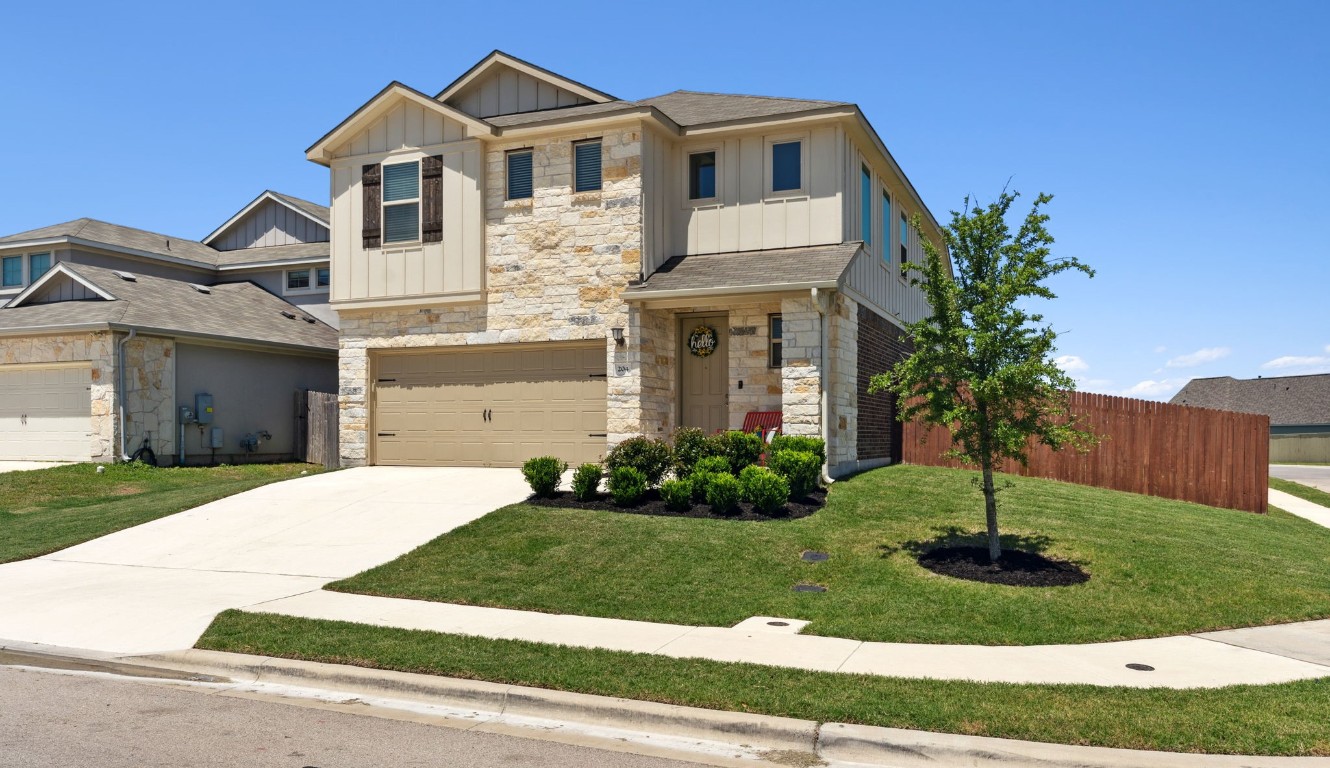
45, 413
489, 406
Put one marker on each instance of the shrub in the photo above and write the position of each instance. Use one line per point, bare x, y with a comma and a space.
698, 484
690, 446
627, 485
800, 468
723, 494
543, 474
766, 490
742, 449
586, 482
678, 494
650, 457
814, 445
713, 464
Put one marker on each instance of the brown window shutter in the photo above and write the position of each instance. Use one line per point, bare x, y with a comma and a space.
431, 199
371, 184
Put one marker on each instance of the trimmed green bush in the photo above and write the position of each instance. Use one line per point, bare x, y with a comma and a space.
765, 489
627, 485
677, 494
698, 484
723, 494
586, 482
690, 446
650, 457
543, 473
814, 445
742, 449
800, 468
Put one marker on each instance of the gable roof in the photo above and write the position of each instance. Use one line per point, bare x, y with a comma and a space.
240, 312
313, 211
497, 58
141, 242
776, 269
688, 108
273, 255
1286, 400
320, 151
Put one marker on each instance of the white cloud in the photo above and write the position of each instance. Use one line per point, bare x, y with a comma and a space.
1299, 361
1199, 357
1072, 363
1151, 389
1161, 349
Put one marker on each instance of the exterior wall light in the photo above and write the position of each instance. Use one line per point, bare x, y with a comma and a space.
617, 333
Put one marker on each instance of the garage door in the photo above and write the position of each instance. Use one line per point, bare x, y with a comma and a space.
490, 406
45, 413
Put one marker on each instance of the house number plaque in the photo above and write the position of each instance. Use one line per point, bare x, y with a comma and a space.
702, 341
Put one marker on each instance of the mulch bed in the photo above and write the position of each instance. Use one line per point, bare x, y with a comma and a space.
1016, 568
652, 504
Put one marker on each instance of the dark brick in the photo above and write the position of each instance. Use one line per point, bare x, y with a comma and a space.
880, 346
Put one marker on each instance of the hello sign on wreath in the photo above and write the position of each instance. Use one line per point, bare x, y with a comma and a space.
702, 341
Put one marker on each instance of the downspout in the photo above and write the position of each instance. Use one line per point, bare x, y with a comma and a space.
120, 388
827, 480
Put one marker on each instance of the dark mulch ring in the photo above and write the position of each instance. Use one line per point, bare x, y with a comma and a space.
651, 504
1016, 568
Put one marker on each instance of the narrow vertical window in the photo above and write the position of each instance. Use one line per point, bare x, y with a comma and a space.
586, 166
323, 277
701, 175
866, 205
886, 228
38, 263
401, 202
776, 334
13, 271
519, 174
786, 166
905, 242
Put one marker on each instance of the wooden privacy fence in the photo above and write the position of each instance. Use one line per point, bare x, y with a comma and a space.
1218, 458
316, 427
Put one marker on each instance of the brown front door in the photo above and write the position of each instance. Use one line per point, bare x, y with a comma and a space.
704, 384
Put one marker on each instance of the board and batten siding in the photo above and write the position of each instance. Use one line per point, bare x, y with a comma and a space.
659, 199
271, 224
745, 216
507, 91
453, 266
63, 289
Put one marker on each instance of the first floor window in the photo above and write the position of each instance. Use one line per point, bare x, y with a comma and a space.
776, 341
297, 280
13, 271
401, 203
519, 174
586, 166
786, 170
38, 263
701, 175
323, 277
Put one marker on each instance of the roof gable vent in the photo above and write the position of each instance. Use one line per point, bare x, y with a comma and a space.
288, 315
200, 288
126, 276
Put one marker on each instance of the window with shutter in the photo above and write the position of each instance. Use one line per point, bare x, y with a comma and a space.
431, 204
519, 174
371, 231
586, 166
401, 202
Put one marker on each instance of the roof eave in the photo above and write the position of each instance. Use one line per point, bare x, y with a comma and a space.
303, 260
175, 333
565, 123
521, 65
267, 195
320, 151
646, 294
61, 268
786, 118
100, 325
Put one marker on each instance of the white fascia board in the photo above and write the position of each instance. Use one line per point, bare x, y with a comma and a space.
222, 340
141, 254
320, 151
770, 121
684, 293
40, 243
306, 261
37, 330
53, 273
565, 124
500, 58
267, 195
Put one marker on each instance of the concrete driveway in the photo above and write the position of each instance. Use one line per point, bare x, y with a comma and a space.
24, 466
1317, 477
156, 587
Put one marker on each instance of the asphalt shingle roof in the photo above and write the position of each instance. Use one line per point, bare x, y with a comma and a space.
236, 311
123, 237
750, 269
319, 212
1287, 400
683, 107
274, 253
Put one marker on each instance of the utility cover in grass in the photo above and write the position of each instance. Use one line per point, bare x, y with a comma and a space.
1016, 568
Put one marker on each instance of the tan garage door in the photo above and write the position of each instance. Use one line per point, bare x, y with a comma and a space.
489, 406
45, 413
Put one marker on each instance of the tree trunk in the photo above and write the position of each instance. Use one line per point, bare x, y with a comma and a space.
990, 513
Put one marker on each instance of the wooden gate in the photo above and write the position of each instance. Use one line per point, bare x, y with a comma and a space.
316, 427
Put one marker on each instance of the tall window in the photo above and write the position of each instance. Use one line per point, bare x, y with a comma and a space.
401, 202
786, 162
13, 271
776, 335
38, 263
905, 242
586, 166
701, 175
866, 205
886, 228
323, 277
519, 174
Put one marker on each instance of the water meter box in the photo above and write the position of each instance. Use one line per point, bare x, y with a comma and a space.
216, 435
203, 408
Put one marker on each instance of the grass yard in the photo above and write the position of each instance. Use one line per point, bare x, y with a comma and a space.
1304, 492
1157, 567
45, 510
1286, 719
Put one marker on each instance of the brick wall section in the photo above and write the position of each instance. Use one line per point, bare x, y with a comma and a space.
881, 345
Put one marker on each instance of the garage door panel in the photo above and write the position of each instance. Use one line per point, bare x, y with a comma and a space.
45, 413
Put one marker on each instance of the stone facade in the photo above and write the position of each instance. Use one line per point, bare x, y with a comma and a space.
842, 395
96, 348
150, 395
801, 374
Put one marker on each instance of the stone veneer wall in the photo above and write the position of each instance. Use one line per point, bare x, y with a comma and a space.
880, 345
801, 373
150, 396
555, 266
97, 348
842, 394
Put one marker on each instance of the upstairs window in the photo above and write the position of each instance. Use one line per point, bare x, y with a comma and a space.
13, 271
323, 277
401, 202
886, 227
586, 166
701, 175
866, 205
297, 279
519, 174
777, 339
786, 166
38, 263
905, 242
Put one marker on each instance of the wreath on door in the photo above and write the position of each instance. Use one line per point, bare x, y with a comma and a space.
702, 341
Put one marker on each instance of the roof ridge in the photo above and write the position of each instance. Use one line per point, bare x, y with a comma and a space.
746, 96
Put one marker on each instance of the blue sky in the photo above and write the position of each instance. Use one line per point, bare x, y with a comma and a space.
1187, 143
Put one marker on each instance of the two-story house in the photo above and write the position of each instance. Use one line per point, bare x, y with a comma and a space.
526, 265
107, 332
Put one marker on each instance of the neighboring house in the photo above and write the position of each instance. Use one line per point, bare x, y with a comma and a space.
109, 331
523, 264
1298, 407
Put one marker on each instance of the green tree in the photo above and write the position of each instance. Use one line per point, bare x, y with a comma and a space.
983, 364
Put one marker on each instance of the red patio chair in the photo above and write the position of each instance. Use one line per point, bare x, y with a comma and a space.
766, 424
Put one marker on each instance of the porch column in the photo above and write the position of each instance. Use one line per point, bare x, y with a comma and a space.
801, 367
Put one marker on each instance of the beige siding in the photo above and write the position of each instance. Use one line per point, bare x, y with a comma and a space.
271, 224
505, 91
403, 127
658, 190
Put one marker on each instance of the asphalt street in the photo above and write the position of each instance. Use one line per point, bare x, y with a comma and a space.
49, 719
1307, 474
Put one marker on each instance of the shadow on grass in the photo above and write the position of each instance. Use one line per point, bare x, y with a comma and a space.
949, 536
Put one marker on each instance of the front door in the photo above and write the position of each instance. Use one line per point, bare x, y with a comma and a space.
704, 373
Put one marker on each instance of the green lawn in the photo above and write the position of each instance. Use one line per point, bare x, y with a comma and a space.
1286, 719
1157, 567
1305, 492
45, 510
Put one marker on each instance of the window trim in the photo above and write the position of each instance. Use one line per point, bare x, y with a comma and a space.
702, 202
313, 286
600, 184
508, 174
318, 286
768, 163
25, 275
385, 203
866, 187
775, 343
